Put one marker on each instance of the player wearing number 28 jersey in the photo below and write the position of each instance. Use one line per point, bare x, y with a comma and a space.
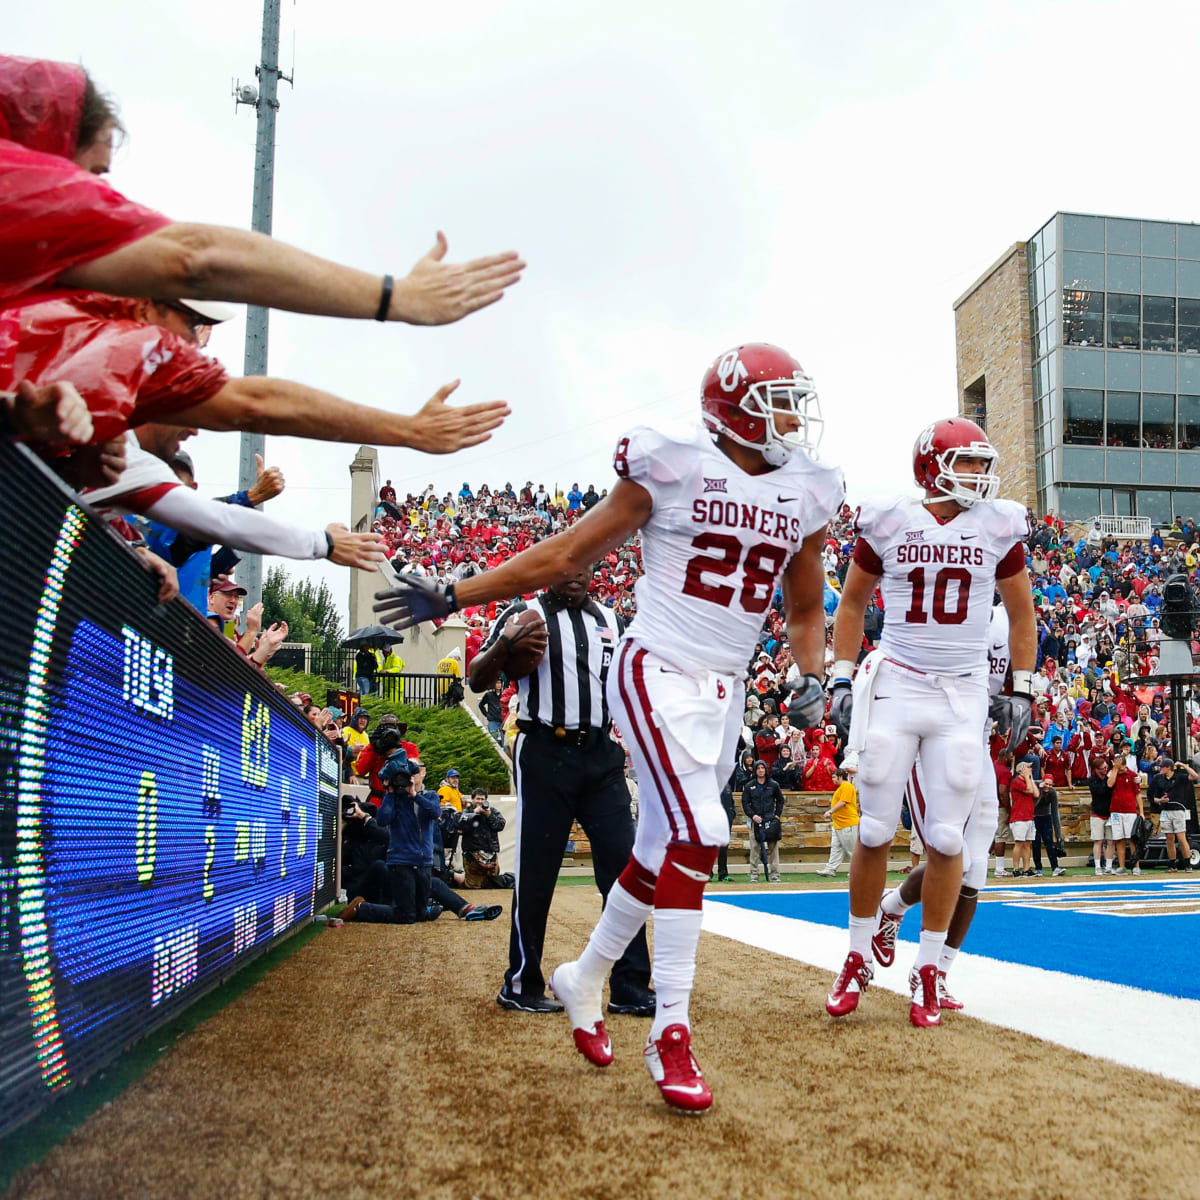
938, 563
716, 543
726, 513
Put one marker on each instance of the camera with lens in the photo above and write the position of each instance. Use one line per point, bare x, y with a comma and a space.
384, 739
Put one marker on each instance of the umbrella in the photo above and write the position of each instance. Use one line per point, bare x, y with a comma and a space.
375, 636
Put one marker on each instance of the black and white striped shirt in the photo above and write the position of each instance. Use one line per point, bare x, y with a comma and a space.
567, 689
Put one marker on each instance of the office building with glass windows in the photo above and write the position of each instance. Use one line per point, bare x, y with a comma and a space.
1079, 352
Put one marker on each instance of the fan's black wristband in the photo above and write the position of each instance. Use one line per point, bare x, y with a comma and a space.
328, 544
385, 298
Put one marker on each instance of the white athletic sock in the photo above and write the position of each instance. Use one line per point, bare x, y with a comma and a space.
893, 903
949, 954
862, 929
622, 917
1001, 862
676, 936
930, 949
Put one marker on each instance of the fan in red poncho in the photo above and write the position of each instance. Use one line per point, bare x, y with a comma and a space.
54, 212
127, 371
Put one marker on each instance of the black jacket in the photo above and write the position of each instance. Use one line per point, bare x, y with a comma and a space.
762, 800
489, 705
363, 843
479, 833
787, 775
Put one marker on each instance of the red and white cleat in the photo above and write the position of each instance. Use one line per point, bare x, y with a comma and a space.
945, 1000
587, 1023
924, 1012
883, 943
673, 1066
855, 976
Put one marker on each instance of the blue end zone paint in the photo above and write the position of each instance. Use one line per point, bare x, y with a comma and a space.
1139, 949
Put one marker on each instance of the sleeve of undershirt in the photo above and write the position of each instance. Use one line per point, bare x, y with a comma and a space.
1012, 562
231, 525
865, 557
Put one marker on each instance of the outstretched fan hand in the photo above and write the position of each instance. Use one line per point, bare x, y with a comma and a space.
415, 600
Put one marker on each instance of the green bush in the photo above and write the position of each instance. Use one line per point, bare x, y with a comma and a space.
446, 737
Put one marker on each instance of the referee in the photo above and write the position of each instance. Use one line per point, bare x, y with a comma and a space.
567, 768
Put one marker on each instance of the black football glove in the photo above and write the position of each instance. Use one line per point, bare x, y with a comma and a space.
804, 702
1013, 715
1021, 710
414, 600
840, 710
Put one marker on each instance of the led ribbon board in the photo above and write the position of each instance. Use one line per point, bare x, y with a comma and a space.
164, 814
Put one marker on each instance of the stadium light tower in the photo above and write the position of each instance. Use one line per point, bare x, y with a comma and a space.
263, 100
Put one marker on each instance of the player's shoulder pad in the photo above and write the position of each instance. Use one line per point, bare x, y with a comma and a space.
824, 482
880, 520
1006, 520
653, 456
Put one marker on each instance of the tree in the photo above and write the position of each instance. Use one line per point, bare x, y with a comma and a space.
309, 610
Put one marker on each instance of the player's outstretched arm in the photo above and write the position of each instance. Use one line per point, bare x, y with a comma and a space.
257, 404
621, 513
213, 262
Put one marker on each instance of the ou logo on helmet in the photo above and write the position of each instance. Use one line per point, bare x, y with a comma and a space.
731, 371
925, 441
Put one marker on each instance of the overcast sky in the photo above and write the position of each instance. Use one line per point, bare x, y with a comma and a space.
680, 177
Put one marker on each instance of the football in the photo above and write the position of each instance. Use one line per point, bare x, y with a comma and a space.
526, 633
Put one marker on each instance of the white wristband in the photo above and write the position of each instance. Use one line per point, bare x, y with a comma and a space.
843, 669
1023, 682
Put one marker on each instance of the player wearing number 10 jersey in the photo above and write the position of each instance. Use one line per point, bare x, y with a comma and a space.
938, 563
725, 512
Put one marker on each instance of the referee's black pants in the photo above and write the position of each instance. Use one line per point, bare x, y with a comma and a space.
556, 785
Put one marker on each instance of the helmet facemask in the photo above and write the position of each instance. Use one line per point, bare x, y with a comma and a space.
786, 397
964, 487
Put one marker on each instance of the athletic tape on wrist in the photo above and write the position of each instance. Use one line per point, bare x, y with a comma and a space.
843, 671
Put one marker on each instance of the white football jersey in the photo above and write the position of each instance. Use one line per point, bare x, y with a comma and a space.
998, 655
939, 578
716, 542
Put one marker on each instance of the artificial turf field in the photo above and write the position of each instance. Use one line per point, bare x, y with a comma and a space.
374, 1062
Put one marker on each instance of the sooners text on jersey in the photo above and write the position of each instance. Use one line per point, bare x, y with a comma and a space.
939, 579
716, 543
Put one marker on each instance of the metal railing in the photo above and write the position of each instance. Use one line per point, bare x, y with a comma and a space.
424, 691
1124, 527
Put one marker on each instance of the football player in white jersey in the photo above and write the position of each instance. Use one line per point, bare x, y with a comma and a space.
938, 562
725, 511
977, 838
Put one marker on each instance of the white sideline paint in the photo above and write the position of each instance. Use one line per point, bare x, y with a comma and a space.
1145, 1030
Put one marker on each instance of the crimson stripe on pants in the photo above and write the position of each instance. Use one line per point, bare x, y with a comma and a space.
637, 733
916, 794
639, 682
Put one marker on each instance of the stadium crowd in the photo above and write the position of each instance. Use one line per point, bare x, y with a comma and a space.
1099, 602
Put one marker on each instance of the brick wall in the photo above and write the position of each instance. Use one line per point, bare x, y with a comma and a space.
992, 344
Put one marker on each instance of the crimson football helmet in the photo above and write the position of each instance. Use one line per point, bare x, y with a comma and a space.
935, 458
744, 390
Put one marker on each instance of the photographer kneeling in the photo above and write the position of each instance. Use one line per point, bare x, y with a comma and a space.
479, 825
420, 837
364, 851
409, 815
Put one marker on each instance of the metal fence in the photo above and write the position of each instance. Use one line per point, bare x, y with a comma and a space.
425, 691
337, 665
